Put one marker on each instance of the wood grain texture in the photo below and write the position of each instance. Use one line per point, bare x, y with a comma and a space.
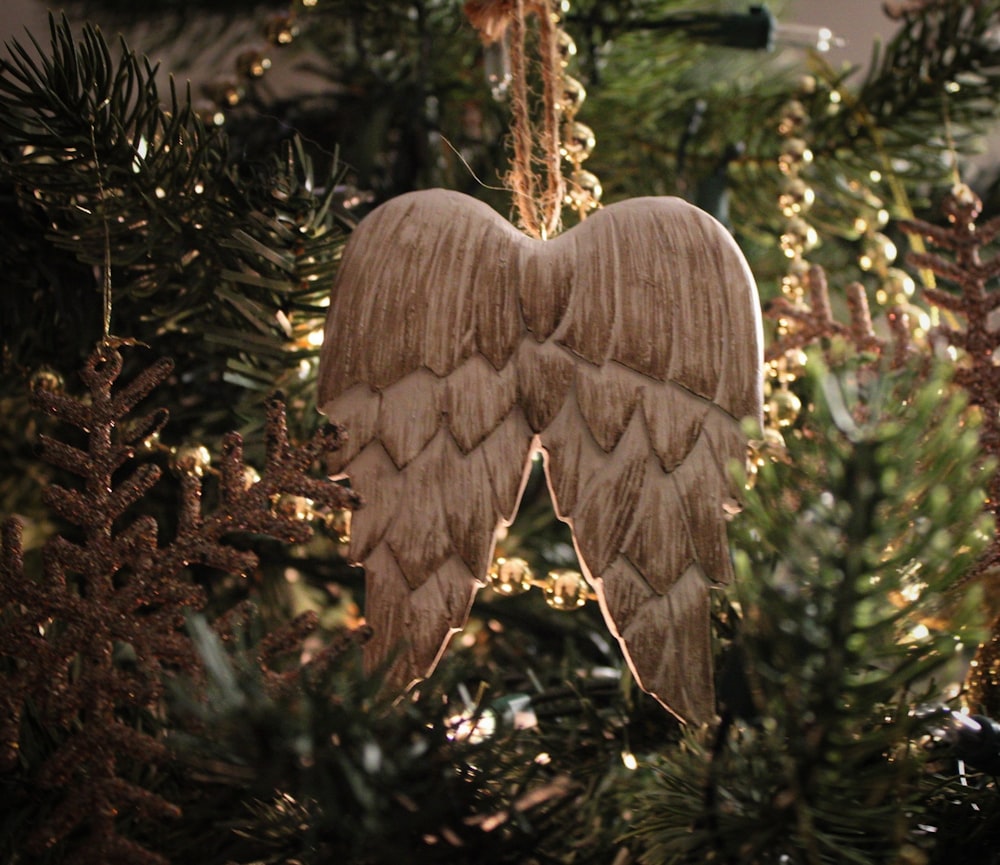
628, 349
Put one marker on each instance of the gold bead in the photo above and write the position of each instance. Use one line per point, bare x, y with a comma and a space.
584, 190
918, 321
783, 408
771, 446
964, 196
793, 286
252, 63
191, 459
339, 522
250, 477
877, 253
790, 366
773, 440
293, 507
794, 118
209, 112
509, 576
795, 154
796, 196
281, 29
578, 140
798, 237
572, 97
47, 380
565, 589
226, 94
565, 46
897, 286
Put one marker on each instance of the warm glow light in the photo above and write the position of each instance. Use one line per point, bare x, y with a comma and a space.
142, 148
474, 727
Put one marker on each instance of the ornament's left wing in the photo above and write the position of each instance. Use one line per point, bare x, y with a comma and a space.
417, 366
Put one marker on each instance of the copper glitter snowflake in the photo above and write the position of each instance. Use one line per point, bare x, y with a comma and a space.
975, 301
805, 324
88, 642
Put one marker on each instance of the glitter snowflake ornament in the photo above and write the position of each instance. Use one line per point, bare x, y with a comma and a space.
89, 641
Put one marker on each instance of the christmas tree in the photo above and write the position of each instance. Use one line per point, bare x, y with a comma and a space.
182, 623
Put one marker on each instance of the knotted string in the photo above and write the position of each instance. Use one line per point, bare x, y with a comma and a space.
538, 199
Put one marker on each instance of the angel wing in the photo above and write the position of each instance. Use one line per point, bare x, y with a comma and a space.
628, 348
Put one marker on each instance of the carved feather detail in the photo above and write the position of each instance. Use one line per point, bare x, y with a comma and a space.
628, 349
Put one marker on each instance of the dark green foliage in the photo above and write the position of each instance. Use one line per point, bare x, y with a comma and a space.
222, 264
223, 244
962, 820
397, 88
921, 109
848, 550
336, 771
678, 107
201, 247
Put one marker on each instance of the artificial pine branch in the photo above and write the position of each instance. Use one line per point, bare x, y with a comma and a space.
93, 155
928, 93
974, 302
88, 643
941, 47
224, 263
335, 771
923, 103
847, 549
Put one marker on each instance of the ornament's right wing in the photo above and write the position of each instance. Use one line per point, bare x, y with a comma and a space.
666, 335
417, 366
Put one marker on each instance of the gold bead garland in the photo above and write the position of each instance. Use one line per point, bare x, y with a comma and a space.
195, 462
803, 312
577, 140
798, 237
895, 287
564, 589
510, 576
251, 64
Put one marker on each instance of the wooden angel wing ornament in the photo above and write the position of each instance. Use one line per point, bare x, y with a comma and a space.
628, 349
